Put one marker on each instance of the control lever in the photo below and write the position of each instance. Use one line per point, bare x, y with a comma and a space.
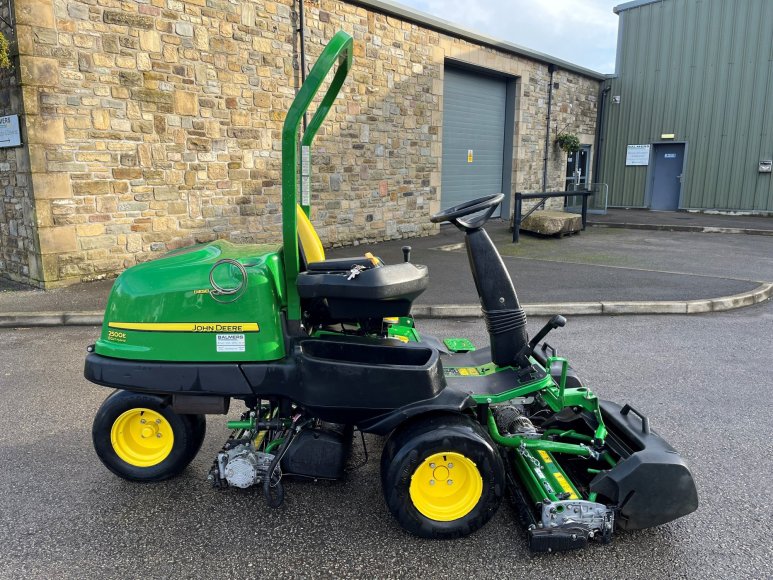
406, 253
557, 321
522, 358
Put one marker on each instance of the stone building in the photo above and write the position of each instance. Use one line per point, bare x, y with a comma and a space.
148, 125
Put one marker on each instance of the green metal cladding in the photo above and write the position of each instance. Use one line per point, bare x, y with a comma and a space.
703, 70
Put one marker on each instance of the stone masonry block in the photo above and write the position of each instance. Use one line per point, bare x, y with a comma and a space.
89, 230
51, 186
150, 40
25, 39
37, 158
184, 28
39, 71
45, 129
35, 13
57, 240
128, 19
100, 119
186, 103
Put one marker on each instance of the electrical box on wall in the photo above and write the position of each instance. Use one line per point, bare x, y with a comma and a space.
766, 166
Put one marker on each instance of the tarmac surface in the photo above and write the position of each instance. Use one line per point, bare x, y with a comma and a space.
688, 221
597, 265
701, 379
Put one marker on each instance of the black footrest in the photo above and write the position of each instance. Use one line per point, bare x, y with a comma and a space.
560, 539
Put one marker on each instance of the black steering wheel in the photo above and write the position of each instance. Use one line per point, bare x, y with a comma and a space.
452, 214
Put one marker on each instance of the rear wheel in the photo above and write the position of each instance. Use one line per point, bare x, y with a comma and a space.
138, 438
442, 476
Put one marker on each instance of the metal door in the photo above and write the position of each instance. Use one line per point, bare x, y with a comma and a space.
577, 167
666, 168
473, 136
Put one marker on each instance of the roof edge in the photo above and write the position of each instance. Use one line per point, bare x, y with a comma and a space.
438, 24
633, 4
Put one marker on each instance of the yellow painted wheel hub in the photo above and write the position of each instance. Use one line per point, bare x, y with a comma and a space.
446, 486
142, 437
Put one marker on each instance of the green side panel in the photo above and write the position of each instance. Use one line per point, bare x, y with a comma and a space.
703, 70
181, 319
459, 344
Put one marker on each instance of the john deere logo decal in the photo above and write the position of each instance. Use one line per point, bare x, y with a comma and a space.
187, 326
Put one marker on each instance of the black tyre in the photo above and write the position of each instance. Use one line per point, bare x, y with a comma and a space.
140, 439
442, 476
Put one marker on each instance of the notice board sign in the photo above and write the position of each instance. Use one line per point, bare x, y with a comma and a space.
9, 131
637, 155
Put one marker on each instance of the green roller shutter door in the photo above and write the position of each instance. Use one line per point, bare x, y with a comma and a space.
473, 122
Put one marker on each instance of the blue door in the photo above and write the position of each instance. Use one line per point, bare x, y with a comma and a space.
667, 167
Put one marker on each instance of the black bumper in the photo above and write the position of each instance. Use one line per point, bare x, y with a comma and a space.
651, 484
220, 379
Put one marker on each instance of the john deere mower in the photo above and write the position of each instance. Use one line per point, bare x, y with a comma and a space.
318, 348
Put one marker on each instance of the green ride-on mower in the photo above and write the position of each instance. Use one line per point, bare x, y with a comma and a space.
317, 348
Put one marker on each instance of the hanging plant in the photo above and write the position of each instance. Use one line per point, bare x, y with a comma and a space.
5, 59
568, 142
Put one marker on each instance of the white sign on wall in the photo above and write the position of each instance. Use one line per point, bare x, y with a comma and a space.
9, 131
637, 155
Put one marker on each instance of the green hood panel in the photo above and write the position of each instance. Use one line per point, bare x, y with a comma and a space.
167, 310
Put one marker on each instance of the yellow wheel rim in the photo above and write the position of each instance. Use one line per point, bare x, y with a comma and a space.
142, 437
446, 486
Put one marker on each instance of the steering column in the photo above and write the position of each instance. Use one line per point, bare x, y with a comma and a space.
505, 319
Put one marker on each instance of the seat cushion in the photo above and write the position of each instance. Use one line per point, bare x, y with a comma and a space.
373, 293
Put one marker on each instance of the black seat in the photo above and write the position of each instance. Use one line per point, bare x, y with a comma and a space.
375, 292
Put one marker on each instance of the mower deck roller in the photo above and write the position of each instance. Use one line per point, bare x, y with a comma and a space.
317, 348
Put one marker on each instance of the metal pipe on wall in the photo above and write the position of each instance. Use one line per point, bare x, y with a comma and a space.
599, 134
302, 36
551, 70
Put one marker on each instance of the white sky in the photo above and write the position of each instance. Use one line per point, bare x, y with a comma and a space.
581, 31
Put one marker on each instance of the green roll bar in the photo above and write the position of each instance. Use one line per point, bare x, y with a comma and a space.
338, 50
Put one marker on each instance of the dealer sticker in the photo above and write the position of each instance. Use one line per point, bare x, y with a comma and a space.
230, 343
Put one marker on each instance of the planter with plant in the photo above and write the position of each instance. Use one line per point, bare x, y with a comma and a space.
568, 142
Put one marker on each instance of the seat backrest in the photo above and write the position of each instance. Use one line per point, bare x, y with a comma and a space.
311, 245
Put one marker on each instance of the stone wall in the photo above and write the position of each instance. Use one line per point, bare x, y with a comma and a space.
18, 253
156, 125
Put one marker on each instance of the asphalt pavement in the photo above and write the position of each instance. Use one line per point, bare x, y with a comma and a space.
761, 225
701, 379
598, 265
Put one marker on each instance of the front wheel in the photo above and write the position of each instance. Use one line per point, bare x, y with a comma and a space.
442, 476
138, 438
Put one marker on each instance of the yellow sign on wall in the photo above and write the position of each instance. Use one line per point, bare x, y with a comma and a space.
469, 156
